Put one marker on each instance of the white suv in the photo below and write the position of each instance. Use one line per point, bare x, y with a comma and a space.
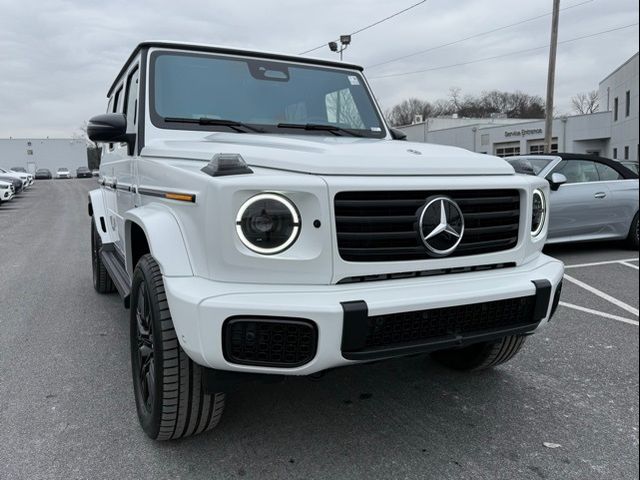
260, 219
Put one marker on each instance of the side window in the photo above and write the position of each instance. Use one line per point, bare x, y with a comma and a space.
578, 171
115, 106
117, 102
607, 173
110, 105
131, 107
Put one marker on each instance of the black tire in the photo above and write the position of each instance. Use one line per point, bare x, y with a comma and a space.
101, 280
633, 238
481, 355
170, 400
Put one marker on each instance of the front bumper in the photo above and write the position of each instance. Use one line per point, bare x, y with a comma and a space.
200, 307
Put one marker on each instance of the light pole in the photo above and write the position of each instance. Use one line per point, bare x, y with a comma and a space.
551, 77
345, 40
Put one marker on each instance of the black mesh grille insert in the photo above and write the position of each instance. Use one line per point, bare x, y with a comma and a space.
441, 323
382, 225
269, 342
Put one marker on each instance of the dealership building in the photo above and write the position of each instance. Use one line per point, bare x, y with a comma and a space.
612, 132
51, 153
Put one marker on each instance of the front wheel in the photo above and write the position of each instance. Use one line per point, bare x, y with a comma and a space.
481, 355
170, 400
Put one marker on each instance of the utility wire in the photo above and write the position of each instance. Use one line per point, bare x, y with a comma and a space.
502, 55
430, 49
368, 26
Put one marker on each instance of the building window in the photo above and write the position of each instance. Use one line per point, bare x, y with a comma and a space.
626, 152
627, 105
507, 150
615, 153
615, 109
484, 139
539, 149
536, 147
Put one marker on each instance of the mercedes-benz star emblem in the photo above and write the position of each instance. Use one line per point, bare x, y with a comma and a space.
441, 225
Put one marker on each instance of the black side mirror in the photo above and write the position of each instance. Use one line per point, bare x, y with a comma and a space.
397, 134
555, 180
109, 127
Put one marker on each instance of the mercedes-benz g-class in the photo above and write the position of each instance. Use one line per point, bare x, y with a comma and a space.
260, 219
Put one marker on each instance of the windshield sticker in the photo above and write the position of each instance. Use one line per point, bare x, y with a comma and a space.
353, 80
376, 129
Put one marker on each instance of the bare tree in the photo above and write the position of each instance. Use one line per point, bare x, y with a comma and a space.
405, 112
94, 152
81, 134
486, 105
585, 103
454, 96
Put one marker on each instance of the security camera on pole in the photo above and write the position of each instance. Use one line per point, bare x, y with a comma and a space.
345, 40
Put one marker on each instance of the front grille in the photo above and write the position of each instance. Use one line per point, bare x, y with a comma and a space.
382, 225
442, 323
269, 342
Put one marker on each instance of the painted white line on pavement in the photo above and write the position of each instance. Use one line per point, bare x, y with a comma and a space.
599, 313
603, 295
608, 262
629, 265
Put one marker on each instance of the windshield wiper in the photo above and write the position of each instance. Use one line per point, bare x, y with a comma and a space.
319, 126
233, 124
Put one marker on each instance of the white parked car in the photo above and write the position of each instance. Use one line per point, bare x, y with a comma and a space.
6, 191
23, 177
30, 178
260, 219
63, 173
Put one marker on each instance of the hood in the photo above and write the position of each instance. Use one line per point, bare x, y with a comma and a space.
327, 155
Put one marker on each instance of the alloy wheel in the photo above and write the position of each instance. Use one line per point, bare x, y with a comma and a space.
145, 368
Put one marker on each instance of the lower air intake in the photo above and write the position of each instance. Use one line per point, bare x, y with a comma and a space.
269, 342
425, 325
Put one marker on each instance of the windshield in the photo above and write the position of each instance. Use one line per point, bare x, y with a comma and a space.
270, 96
529, 166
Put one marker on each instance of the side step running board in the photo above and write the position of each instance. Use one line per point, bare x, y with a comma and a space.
117, 272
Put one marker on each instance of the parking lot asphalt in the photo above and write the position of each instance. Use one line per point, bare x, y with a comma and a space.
67, 408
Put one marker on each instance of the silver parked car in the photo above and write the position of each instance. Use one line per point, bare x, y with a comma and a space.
592, 198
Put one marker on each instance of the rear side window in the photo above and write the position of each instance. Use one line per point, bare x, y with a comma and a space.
117, 102
578, 171
607, 173
131, 109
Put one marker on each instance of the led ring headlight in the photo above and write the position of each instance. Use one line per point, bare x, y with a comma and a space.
538, 212
268, 223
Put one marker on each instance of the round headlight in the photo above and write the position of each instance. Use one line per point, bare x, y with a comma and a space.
539, 212
268, 223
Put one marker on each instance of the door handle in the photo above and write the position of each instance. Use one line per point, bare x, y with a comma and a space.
600, 195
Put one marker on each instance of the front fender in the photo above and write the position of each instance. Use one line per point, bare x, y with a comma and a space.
164, 237
98, 210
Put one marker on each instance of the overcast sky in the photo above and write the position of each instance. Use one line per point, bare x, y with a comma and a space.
58, 57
